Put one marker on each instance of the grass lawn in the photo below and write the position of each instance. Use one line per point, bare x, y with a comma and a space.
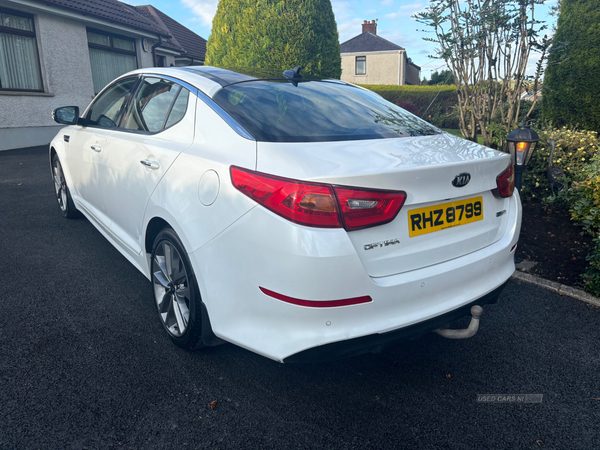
459, 134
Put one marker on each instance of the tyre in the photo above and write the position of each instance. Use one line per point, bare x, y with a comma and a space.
63, 196
176, 292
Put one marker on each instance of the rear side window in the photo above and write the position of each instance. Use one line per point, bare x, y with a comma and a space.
156, 105
316, 111
179, 108
107, 108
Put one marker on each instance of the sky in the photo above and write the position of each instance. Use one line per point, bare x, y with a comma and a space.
394, 23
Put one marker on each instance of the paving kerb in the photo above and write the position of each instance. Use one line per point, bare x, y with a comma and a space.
557, 287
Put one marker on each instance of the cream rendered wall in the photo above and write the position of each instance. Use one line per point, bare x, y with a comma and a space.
25, 118
382, 67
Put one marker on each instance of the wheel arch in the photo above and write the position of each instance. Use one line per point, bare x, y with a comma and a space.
57, 148
155, 225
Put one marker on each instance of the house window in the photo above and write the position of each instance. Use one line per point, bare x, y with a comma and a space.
110, 56
19, 60
361, 65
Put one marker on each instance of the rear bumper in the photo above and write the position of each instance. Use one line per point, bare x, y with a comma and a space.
377, 342
262, 250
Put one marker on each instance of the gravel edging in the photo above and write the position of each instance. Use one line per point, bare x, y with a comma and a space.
557, 287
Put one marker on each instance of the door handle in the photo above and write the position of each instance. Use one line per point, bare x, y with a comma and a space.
150, 164
96, 148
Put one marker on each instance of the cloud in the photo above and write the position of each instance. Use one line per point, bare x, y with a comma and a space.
397, 37
406, 10
342, 10
203, 10
387, 3
348, 29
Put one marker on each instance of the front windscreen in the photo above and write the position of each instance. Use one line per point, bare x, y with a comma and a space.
316, 111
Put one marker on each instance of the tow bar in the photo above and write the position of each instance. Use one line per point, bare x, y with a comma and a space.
476, 312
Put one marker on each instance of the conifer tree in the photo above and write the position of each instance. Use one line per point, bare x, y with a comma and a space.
276, 34
571, 89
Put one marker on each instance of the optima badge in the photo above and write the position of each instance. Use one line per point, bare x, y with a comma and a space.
382, 244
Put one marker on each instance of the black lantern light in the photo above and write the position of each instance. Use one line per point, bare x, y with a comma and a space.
521, 143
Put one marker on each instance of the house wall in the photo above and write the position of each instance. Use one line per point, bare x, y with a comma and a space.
25, 118
413, 74
382, 68
169, 58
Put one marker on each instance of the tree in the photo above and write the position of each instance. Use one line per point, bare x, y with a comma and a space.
572, 83
444, 77
276, 34
486, 44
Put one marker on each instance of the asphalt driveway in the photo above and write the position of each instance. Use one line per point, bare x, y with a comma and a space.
84, 362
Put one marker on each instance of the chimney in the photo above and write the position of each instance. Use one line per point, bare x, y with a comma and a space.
371, 26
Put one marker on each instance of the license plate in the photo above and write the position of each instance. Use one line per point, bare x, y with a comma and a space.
447, 215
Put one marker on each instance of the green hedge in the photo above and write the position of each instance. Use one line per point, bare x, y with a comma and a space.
574, 151
582, 198
440, 100
572, 79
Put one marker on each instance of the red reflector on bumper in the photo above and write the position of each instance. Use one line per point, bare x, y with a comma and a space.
317, 303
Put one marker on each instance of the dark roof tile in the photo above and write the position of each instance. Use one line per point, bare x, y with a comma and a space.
368, 42
111, 10
183, 39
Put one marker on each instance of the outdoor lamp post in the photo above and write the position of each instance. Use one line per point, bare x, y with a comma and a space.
521, 143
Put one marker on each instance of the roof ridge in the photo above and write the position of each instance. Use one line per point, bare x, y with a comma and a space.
351, 39
108, 10
123, 5
154, 12
369, 42
377, 36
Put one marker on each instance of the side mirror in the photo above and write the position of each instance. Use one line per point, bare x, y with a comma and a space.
67, 115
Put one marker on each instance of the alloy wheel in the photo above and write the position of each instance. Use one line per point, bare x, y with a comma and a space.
60, 186
171, 288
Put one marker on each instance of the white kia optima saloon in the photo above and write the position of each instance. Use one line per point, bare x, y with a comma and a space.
302, 220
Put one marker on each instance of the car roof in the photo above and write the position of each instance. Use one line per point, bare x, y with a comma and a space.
207, 79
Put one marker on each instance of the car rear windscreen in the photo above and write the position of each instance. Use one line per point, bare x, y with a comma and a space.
314, 111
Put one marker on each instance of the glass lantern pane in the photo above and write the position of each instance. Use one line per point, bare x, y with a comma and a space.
531, 149
522, 149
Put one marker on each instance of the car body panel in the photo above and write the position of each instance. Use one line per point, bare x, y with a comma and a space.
85, 165
386, 163
423, 167
123, 172
215, 145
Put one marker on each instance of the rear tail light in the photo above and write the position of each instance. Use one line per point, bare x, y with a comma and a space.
319, 204
505, 182
304, 203
362, 208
